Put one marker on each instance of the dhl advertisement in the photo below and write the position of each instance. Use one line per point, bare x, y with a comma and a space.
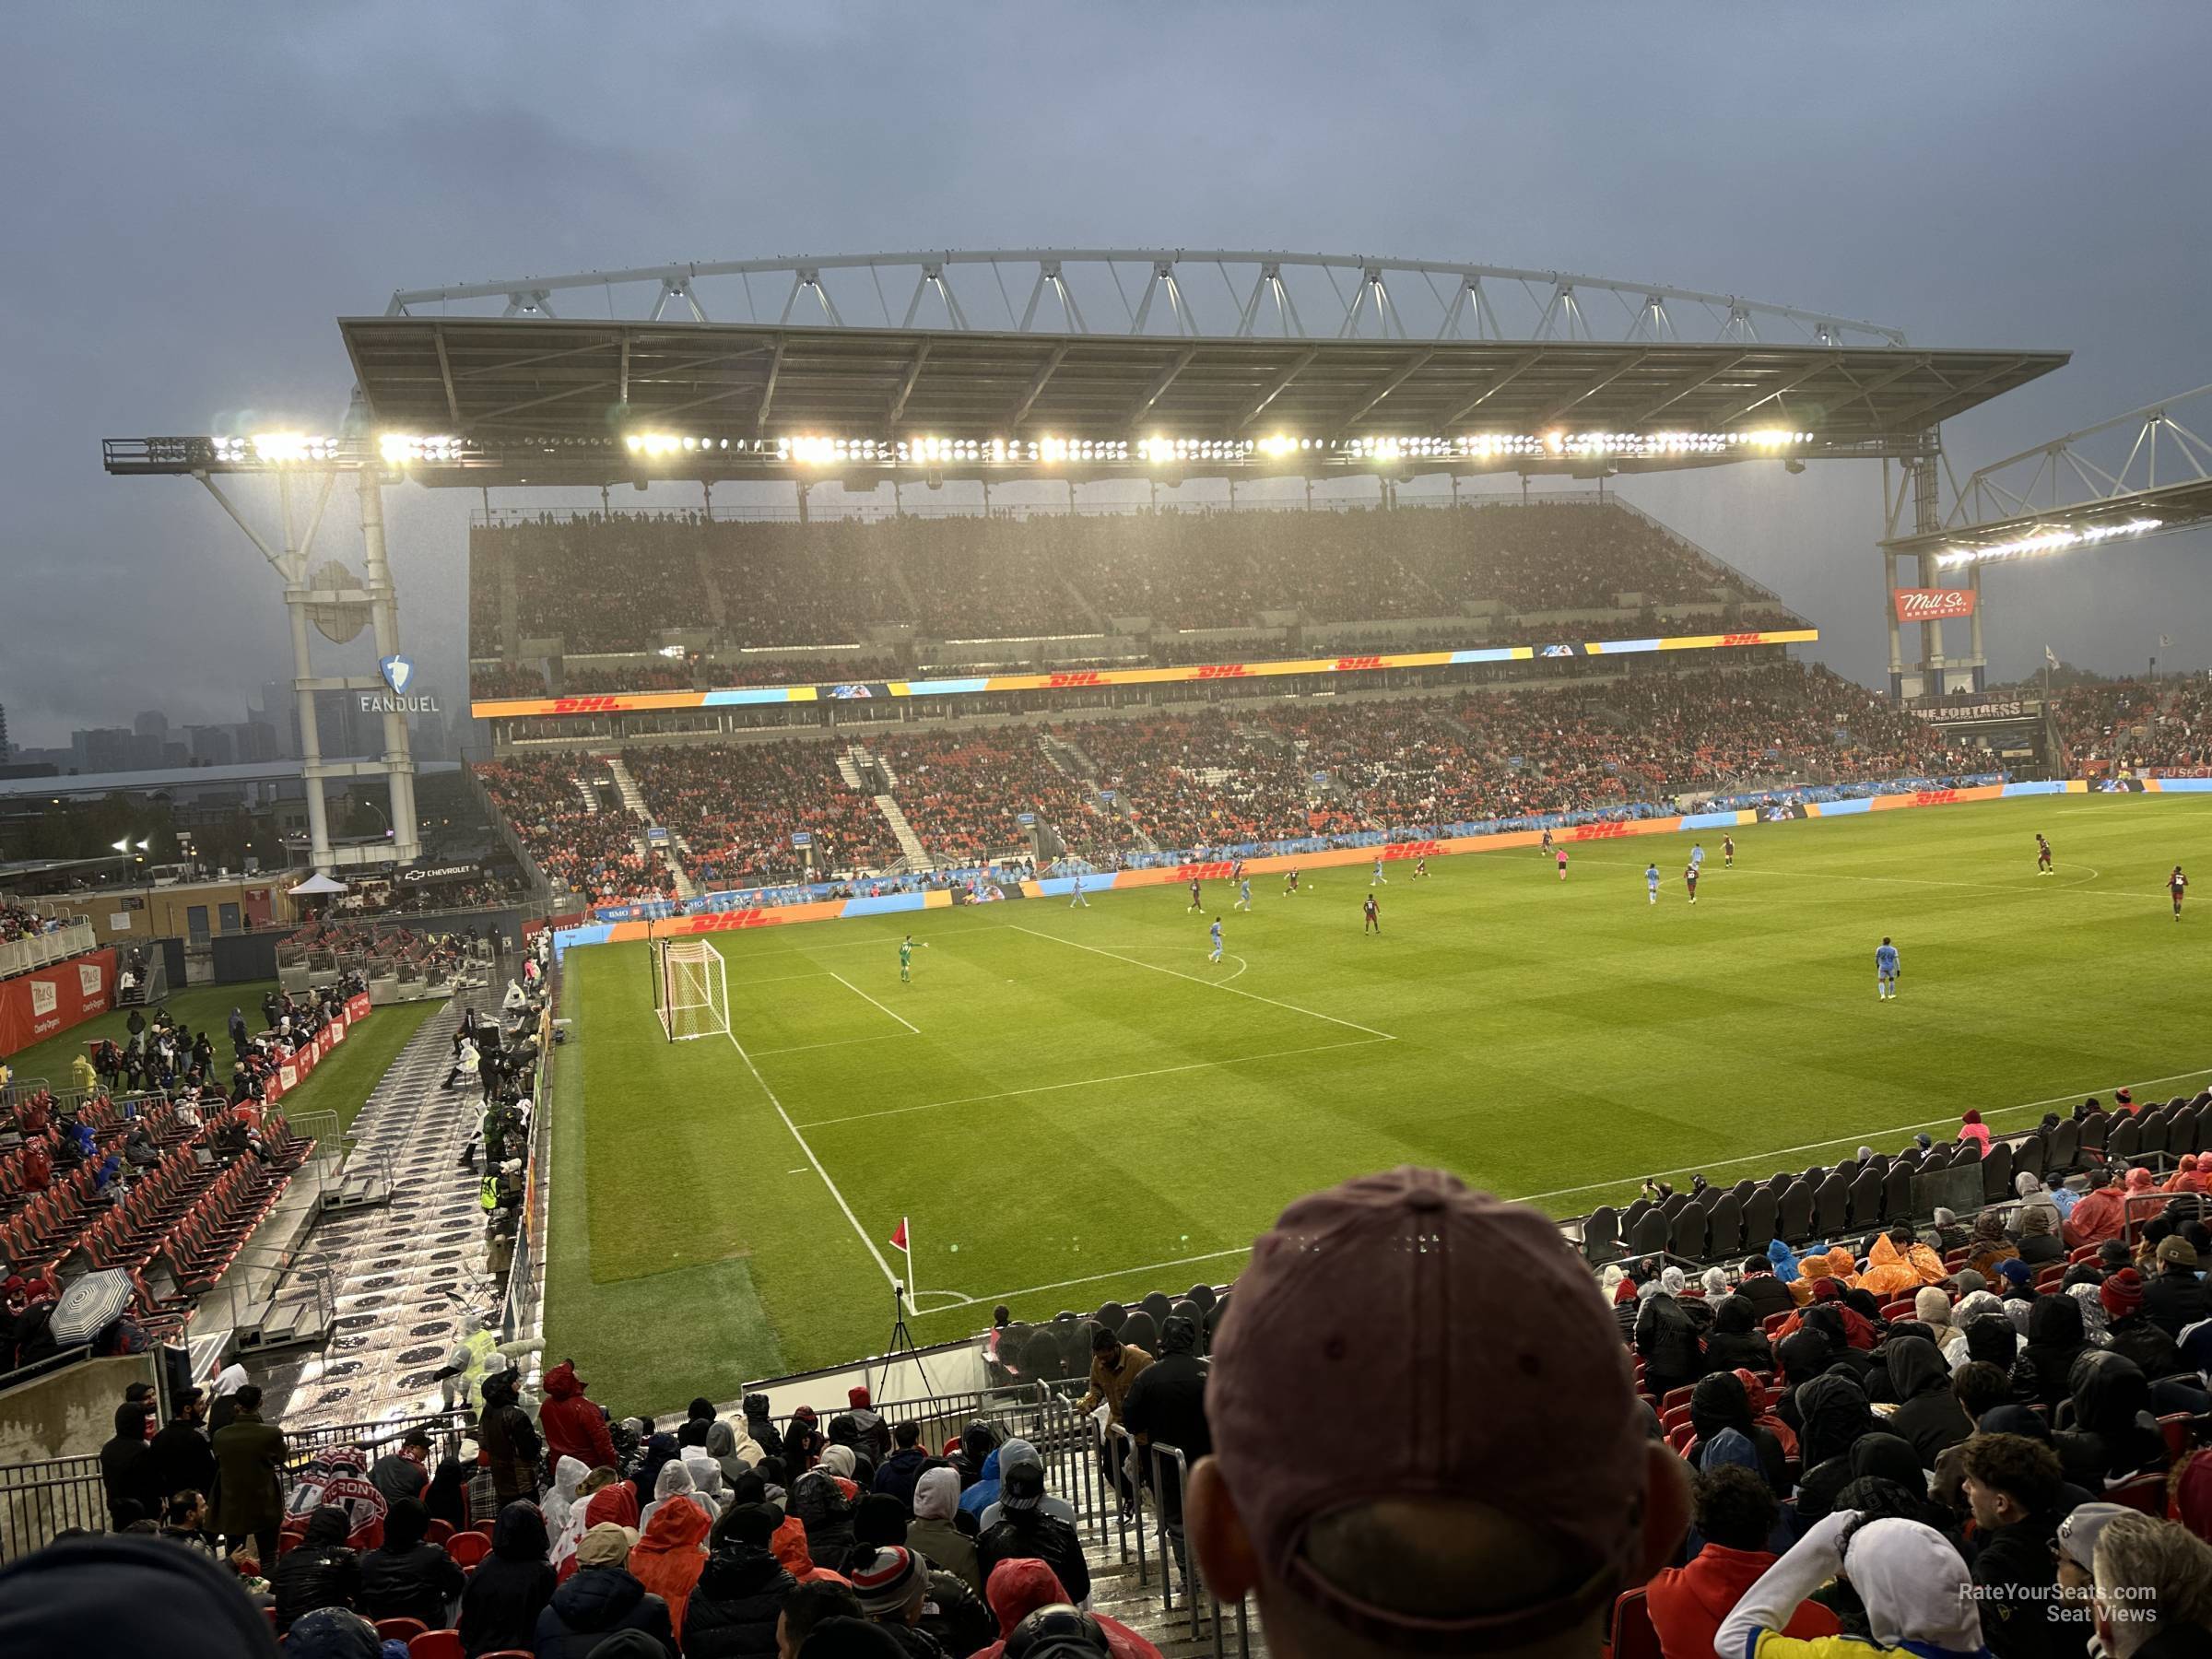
649, 703
1569, 836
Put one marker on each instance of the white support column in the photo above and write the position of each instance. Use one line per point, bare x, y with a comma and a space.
1897, 644
383, 613
294, 570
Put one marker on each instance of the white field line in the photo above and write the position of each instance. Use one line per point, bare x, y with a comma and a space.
888, 1276
1864, 1136
1159, 1071
1196, 980
801, 1048
863, 996
780, 979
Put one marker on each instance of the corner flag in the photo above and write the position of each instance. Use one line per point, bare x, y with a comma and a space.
899, 1238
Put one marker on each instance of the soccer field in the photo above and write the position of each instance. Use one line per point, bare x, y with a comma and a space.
1072, 1105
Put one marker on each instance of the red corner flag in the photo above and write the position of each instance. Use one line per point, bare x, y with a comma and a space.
899, 1238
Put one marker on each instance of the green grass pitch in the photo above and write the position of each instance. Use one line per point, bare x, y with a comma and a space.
1073, 1105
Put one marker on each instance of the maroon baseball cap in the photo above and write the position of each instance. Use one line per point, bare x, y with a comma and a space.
1468, 1332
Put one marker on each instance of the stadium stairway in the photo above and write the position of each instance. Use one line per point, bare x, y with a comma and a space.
716, 609
917, 855
589, 795
391, 1267
625, 786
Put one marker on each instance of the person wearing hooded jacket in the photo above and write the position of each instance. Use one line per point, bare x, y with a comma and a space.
1928, 1416
572, 1425
1165, 1405
1835, 1415
873, 1432
406, 1578
898, 1472
2177, 1297
669, 1556
1917, 1593
1735, 1339
1019, 1586
2055, 1339
321, 1572
733, 1608
1665, 1337
822, 1500
758, 1427
1024, 1528
510, 1441
1898, 1264
510, 1587
733, 1453
1765, 1293
941, 1543
602, 1601
2114, 1435
1718, 1403
132, 1493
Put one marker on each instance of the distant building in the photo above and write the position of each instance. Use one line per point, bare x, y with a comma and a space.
151, 723
4, 750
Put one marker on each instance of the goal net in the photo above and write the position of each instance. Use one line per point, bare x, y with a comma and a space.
689, 992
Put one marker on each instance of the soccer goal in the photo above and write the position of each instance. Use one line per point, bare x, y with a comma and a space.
690, 994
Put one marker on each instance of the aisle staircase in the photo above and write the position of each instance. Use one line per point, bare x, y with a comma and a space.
918, 856
633, 802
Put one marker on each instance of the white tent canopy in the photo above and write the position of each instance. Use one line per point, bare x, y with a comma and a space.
319, 884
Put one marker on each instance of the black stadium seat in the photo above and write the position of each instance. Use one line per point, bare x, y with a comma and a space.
1896, 1192
2063, 1150
1831, 1207
1651, 1234
2151, 1133
1725, 1226
2094, 1129
1796, 1213
1203, 1296
1866, 1198
1759, 1211
1141, 1330
1689, 1231
1043, 1358
2124, 1140
1110, 1314
1155, 1303
1997, 1173
1601, 1235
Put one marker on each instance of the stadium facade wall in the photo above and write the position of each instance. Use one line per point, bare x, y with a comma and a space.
1055, 886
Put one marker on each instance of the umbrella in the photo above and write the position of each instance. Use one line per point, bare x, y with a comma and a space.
318, 883
90, 1306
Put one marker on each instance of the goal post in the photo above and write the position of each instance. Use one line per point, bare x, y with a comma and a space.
690, 992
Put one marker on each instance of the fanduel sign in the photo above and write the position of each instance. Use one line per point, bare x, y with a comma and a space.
399, 674
1934, 605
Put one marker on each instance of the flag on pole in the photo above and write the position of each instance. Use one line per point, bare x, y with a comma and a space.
899, 1238
2165, 640
2050, 657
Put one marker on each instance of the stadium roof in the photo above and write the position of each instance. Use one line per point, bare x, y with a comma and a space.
548, 400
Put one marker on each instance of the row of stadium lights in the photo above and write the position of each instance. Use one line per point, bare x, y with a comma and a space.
401, 449
2047, 541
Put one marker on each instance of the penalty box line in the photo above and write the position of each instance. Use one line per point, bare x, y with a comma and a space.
1210, 985
859, 1231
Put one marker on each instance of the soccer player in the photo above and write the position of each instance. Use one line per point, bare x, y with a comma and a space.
1651, 882
1243, 894
1236, 870
1884, 970
1291, 881
1077, 891
1378, 875
1561, 854
906, 961
1697, 854
1689, 879
1216, 932
1420, 869
1195, 904
1546, 846
1373, 924
2042, 858
2177, 884
1727, 852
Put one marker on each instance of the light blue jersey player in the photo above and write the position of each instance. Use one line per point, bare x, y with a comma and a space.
1217, 950
1378, 879
1697, 854
1243, 894
1884, 970
1077, 893
1651, 882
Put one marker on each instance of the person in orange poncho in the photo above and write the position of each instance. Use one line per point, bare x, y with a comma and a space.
1811, 1270
2104, 1213
1857, 1329
1899, 1264
668, 1560
2189, 1177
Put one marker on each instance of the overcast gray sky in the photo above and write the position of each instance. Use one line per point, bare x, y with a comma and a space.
193, 193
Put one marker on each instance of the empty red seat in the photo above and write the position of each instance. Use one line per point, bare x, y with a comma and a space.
467, 1548
436, 1645
402, 1630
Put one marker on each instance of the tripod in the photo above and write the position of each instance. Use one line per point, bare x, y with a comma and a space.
902, 1345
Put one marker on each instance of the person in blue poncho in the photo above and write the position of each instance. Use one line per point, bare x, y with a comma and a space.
1785, 1262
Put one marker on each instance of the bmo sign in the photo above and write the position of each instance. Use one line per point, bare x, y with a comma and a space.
1934, 605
